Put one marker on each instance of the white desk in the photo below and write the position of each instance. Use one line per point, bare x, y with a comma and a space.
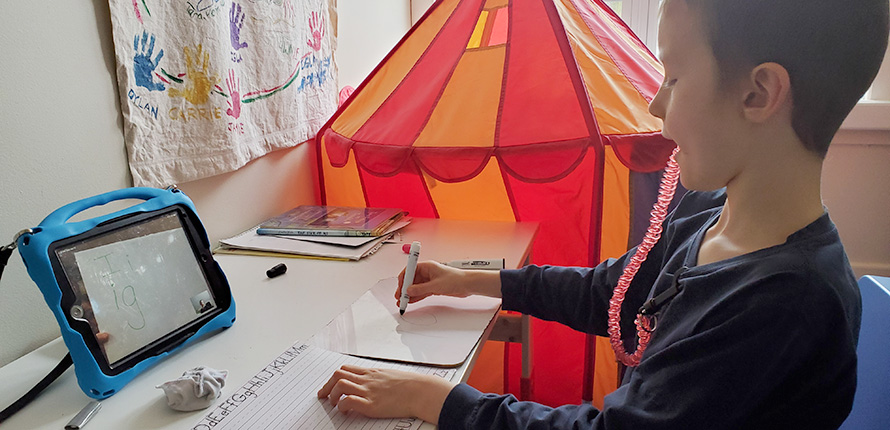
272, 314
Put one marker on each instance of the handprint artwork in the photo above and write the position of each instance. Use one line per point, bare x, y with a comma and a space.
202, 76
199, 80
316, 28
234, 101
236, 21
142, 64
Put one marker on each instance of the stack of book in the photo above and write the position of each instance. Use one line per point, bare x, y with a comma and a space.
329, 232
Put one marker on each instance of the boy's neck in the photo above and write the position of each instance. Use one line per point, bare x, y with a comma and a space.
765, 205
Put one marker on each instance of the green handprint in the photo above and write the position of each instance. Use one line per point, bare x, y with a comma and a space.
200, 82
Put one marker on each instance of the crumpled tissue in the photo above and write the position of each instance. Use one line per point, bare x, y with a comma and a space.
196, 389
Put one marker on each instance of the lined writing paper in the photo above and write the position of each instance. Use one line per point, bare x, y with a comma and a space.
283, 395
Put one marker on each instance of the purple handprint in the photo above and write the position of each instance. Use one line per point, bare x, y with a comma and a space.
236, 21
234, 101
142, 64
316, 26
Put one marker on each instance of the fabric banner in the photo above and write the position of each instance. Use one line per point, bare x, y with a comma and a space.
209, 85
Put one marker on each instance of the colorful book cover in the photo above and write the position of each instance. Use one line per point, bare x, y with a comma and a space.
311, 220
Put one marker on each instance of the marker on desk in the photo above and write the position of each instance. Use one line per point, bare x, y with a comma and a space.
81, 419
413, 254
492, 264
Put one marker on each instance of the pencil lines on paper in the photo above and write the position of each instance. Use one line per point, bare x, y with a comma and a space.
283, 395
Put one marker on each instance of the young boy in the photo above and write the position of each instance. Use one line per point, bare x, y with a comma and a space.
763, 331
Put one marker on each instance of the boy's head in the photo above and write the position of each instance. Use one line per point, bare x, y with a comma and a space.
832, 50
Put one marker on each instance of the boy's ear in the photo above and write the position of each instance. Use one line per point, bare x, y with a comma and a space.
768, 92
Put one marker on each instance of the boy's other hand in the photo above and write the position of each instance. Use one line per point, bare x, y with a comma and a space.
386, 393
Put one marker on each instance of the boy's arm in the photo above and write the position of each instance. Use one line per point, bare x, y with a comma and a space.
763, 365
578, 296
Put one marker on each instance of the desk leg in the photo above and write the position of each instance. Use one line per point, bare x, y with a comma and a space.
525, 380
589, 366
516, 328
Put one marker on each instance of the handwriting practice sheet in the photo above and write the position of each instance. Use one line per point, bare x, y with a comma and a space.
283, 395
438, 330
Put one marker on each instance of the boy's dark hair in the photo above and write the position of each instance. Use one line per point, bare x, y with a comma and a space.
832, 50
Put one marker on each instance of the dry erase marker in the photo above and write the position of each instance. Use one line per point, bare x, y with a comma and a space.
81, 419
492, 264
413, 254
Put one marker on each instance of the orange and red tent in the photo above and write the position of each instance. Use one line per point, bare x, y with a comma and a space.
519, 110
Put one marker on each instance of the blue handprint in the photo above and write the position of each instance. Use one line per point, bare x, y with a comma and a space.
142, 64
236, 21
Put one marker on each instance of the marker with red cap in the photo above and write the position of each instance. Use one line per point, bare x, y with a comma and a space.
413, 255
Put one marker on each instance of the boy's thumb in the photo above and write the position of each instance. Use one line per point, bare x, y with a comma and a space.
422, 289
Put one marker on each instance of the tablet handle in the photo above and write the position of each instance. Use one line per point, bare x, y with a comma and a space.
64, 213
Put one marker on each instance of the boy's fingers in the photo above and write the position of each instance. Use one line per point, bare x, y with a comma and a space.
401, 279
345, 387
419, 273
338, 375
401, 276
423, 279
355, 403
358, 370
421, 291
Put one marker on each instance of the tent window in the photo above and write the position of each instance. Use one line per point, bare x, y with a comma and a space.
491, 29
642, 17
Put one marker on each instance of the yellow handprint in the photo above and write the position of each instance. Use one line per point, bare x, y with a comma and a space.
200, 82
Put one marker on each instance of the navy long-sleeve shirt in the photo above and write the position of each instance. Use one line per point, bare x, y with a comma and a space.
758, 341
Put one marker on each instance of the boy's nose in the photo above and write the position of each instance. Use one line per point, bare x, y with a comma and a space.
656, 106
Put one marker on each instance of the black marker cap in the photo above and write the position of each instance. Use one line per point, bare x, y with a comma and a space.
278, 270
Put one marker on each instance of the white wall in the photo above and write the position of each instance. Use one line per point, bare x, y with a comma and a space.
61, 136
368, 30
856, 191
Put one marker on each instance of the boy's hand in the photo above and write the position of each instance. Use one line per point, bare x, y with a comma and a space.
432, 278
386, 393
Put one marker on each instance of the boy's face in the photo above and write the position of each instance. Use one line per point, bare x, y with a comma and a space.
700, 116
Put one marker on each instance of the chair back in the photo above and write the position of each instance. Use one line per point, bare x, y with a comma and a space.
871, 406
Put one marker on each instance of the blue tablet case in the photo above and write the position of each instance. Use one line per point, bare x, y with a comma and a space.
34, 249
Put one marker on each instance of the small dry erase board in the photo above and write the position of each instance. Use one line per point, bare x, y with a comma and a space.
129, 287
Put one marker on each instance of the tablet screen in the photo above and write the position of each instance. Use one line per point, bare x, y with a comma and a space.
136, 285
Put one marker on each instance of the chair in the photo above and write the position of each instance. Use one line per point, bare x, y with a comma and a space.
870, 406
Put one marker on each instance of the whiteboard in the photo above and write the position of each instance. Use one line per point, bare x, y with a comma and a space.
437, 330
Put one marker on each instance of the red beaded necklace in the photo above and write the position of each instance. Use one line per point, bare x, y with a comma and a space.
644, 323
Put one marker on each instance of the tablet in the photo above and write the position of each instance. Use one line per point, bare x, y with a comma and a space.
130, 287
139, 282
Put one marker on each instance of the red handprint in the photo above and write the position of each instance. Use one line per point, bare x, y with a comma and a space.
234, 101
316, 26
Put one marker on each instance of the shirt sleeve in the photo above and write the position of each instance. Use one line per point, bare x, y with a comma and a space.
579, 297
746, 352
467, 408
575, 296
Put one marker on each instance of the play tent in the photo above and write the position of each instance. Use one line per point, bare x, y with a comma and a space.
525, 110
